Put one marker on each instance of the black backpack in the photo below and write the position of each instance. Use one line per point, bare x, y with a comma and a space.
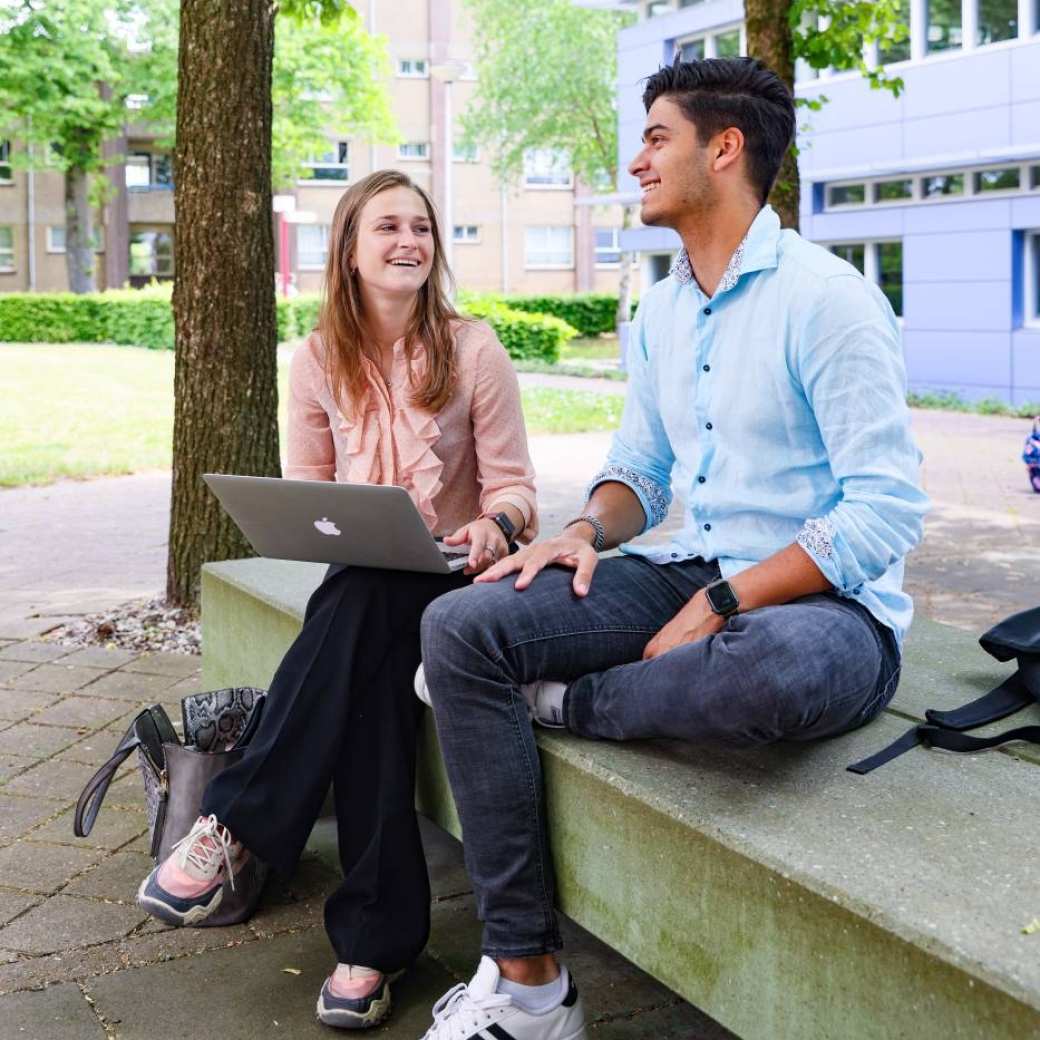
1016, 637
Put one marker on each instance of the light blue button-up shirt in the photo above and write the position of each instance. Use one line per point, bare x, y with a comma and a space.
776, 411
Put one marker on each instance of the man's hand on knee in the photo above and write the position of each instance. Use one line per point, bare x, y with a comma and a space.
694, 622
567, 549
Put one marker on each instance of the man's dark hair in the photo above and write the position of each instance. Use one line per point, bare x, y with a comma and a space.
720, 92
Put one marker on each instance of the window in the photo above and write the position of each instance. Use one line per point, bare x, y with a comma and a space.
1007, 179
689, 3
135, 102
889, 263
943, 184
657, 7
880, 262
469, 72
890, 51
312, 246
56, 239
151, 253
413, 150
944, 25
5, 162
468, 233
1034, 176
147, 172
413, 67
846, 195
852, 254
727, 44
608, 248
998, 20
1032, 300
892, 191
544, 168
549, 247
692, 50
332, 166
465, 152
6, 249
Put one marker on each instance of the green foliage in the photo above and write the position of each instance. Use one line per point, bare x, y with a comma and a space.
330, 78
948, 401
525, 336
297, 316
547, 77
589, 313
832, 34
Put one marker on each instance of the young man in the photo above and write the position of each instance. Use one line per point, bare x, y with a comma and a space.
767, 387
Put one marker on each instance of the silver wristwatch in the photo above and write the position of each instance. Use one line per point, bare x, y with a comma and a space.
599, 540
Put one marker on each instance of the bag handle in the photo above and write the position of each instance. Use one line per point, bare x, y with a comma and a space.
93, 794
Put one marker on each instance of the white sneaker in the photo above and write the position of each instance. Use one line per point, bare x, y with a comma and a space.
544, 698
479, 1012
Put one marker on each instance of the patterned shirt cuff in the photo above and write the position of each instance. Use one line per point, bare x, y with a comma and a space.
652, 495
817, 537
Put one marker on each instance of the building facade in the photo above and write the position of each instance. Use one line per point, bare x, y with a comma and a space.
934, 194
531, 237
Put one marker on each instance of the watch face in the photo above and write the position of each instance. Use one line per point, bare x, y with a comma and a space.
722, 598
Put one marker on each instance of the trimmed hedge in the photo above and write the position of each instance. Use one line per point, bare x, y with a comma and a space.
590, 313
526, 337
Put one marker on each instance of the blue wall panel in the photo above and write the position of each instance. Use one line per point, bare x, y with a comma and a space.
963, 359
968, 306
957, 256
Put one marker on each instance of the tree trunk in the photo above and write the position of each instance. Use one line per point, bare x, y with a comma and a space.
225, 382
768, 29
79, 234
624, 305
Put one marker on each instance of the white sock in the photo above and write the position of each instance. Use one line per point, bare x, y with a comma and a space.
535, 999
548, 702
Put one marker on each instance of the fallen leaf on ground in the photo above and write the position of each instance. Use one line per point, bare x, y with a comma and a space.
1033, 926
292, 971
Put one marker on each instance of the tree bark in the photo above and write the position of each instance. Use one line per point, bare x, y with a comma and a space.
79, 237
225, 382
769, 39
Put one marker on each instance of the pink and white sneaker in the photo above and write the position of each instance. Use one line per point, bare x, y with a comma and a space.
188, 886
355, 997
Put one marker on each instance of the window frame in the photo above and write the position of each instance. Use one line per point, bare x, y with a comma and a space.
8, 268
5, 162
1031, 273
339, 147
424, 62
156, 231
552, 185
529, 265
300, 264
871, 263
615, 247
1023, 180
52, 249
424, 157
466, 240
465, 157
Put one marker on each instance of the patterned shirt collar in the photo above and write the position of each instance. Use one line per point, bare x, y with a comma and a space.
762, 235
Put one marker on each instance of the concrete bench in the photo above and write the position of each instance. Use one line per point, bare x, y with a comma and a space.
781, 894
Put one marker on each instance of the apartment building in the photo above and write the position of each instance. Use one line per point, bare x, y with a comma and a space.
935, 194
533, 236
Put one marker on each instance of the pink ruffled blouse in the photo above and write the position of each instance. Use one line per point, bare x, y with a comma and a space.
456, 464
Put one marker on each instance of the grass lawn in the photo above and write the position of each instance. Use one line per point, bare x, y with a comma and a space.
595, 348
86, 410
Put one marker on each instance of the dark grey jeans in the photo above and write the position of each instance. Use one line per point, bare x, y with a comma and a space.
813, 668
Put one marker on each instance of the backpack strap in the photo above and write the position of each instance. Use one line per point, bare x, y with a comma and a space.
943, 729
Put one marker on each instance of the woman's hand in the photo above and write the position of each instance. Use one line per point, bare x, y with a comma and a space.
694, 622
486, 542
568, 549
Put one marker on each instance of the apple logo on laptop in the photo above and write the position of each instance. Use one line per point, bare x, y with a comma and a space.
327, 526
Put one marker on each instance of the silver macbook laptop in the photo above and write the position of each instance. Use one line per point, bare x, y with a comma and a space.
367, 525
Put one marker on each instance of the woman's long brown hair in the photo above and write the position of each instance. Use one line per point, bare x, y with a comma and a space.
341, 320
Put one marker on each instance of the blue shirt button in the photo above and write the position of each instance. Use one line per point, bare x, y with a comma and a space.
707, 368
707, 527
675, 556
707, 310
701, 480
708, 426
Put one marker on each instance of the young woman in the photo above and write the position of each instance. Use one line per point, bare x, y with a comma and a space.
393, 388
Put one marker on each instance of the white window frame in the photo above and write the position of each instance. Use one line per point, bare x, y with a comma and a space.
7, 254
842, 206
310, 265
615, 247
458, 155
99, 239
413, 68
563, 265
424, 155
544, 163
173, 257
873, 188
871, 267
466, 239
1031, 272
996, 193
339, 147
709, 39
5, 162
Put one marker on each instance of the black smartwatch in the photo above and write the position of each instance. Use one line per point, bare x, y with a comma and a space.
722, 598
505, 525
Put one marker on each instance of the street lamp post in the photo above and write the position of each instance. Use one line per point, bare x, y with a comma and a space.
447, 72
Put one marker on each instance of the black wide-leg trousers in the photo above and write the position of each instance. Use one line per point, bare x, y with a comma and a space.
342, 710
